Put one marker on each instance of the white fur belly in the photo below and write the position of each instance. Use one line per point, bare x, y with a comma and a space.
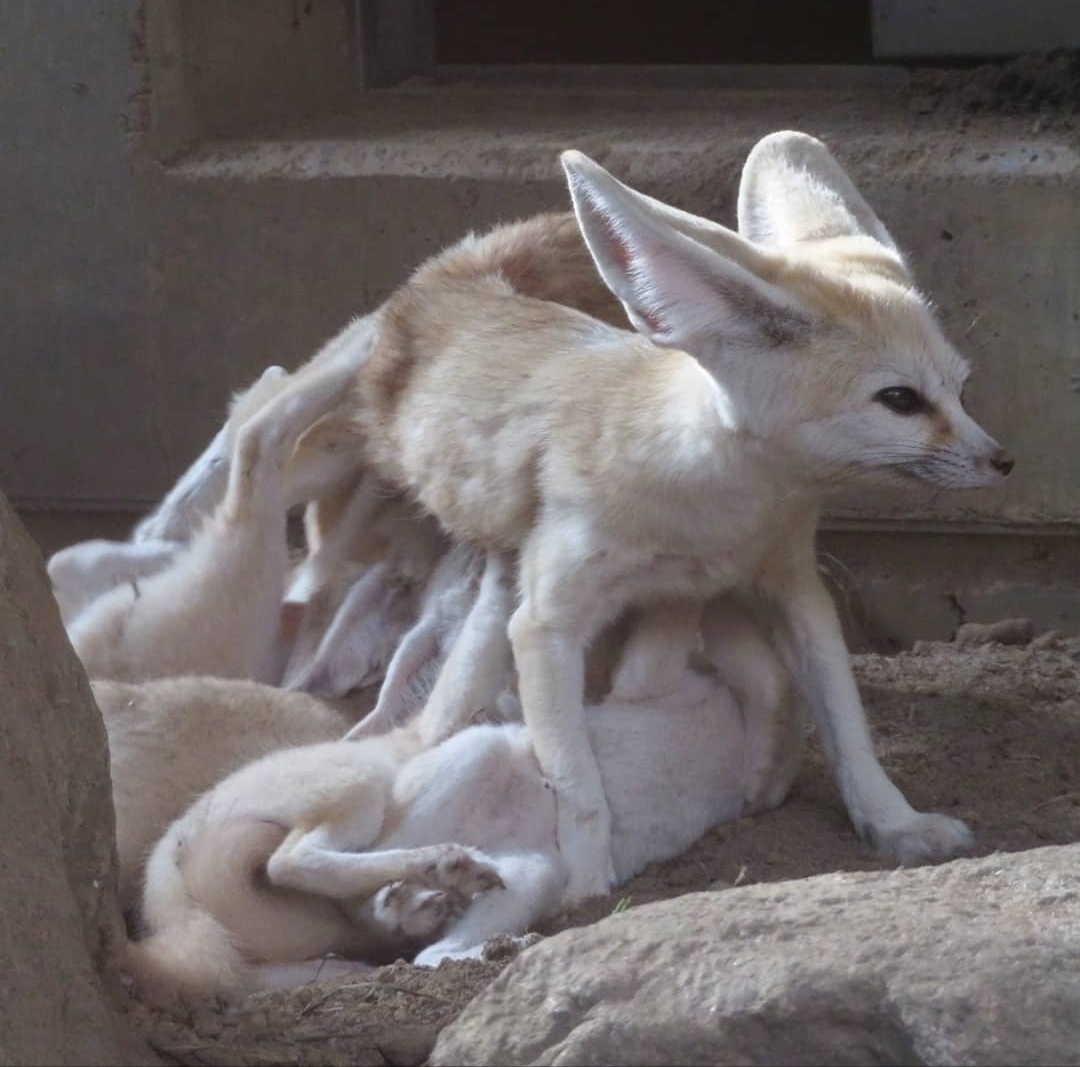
482, 788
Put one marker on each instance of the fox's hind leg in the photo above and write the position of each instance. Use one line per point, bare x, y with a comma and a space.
738, 648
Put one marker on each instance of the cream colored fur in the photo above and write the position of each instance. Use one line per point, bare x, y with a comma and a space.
356, 847
172, 739
686, 460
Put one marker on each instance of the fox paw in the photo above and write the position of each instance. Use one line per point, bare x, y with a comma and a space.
462, 870
408, 910
927, 838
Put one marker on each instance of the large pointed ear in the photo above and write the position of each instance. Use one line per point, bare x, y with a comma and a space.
793, 190
675, 288
352, 651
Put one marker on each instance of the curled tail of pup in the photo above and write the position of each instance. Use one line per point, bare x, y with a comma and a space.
194, 885
193, 958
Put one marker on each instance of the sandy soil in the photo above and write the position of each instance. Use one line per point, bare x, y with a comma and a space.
989, 734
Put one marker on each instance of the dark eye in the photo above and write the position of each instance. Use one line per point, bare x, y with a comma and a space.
903, 400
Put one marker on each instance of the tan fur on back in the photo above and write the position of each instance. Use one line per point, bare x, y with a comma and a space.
543, 257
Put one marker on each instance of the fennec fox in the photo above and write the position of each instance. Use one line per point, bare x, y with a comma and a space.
353, 846
682, 461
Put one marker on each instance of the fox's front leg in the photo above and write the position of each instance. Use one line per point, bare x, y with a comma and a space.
812, 643
563, 606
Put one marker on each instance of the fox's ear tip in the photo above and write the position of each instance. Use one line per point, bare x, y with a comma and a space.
788, 143
574, 160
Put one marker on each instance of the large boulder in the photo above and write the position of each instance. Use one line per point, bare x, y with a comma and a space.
973, 962
59, 922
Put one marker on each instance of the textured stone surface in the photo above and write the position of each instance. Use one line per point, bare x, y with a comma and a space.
58, 915
974, 962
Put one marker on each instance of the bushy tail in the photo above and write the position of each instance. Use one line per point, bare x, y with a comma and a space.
195, 957
193, 949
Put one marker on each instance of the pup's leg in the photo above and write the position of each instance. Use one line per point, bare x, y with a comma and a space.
83, 572
407, 911
448, 599
201, 487
415, 649
738, 648
198, 491
812, 642
654, 660
532, 889
480, 662
324, 860
338, 541
217, 610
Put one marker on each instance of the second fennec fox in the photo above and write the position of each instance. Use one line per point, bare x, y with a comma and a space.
690, 458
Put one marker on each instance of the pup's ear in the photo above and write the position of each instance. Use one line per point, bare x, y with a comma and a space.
675, 288
353, 650
793, 190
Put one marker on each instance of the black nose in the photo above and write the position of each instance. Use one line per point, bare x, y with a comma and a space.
1002, 462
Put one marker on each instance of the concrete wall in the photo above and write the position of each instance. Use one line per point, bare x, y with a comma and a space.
972, 27
76, 290
195, 191
99, 402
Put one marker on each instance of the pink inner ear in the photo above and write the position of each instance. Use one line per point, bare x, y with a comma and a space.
651, 319
619, 251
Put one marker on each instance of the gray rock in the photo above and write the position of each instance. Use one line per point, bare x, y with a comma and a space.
973, 962
59, 923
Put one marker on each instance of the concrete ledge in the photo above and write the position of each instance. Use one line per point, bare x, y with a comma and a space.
668, 137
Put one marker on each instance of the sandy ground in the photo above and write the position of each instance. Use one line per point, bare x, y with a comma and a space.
989, 734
